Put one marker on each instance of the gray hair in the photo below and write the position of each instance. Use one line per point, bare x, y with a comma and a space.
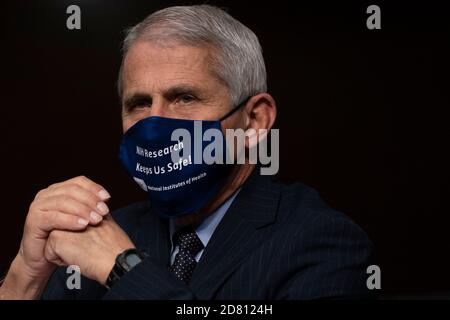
238, 60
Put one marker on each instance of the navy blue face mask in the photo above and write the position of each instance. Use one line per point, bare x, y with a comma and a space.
175, 188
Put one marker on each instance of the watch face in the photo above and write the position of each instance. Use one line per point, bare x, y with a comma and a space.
133, 259
129, 259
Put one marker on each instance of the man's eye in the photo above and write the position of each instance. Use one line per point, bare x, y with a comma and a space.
138, 105
186, 98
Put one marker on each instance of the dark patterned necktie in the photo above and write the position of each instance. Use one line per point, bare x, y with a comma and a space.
188, 246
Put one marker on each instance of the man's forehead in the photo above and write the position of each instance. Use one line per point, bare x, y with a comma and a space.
184, 58
148, 65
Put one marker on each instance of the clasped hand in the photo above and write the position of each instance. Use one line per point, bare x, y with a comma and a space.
68, 223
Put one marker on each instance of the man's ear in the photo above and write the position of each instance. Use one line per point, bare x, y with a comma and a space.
261, 111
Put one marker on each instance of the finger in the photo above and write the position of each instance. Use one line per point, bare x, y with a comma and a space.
68, 205
87, 184
82, 195
57, 220
91, 186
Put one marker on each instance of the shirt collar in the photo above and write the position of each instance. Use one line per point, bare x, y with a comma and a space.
207, 227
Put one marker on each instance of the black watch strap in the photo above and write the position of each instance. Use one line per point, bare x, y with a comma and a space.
125, 261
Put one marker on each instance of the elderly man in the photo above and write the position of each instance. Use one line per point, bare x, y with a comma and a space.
208, 231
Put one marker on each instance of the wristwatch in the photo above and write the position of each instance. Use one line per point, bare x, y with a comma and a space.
125, 261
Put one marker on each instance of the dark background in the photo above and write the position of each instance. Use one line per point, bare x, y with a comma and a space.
362, 115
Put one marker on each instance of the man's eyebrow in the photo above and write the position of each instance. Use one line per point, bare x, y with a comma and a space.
169, 94
137, 97
173, 92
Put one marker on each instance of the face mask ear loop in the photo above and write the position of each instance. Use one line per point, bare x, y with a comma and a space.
243, 103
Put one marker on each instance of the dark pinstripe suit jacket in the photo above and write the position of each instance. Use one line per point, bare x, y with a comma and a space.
275, 242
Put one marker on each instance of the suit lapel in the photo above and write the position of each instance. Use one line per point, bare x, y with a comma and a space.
153, 237
240, 231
